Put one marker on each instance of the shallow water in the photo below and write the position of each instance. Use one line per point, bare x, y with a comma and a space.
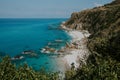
17, 35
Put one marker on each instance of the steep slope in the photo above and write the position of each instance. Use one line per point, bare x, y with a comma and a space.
103, 23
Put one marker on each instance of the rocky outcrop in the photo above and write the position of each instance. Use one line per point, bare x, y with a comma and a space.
104, 25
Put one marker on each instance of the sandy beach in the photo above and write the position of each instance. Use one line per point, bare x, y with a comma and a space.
78, 55
75, 52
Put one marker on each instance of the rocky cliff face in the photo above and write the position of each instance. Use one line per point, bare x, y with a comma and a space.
104, 25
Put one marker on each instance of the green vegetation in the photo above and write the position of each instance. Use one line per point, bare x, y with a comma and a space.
8, 71
103, 23
99, 68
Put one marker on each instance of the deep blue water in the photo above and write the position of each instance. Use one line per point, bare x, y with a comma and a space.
17, 35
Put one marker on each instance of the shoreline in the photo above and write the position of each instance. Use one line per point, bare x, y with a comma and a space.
75, 52
77, 55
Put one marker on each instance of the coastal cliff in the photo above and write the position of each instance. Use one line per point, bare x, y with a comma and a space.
103, 63
103, 23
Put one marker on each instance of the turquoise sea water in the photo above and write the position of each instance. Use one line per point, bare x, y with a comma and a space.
17, 35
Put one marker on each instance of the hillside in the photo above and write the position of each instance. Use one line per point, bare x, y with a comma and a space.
103, 23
